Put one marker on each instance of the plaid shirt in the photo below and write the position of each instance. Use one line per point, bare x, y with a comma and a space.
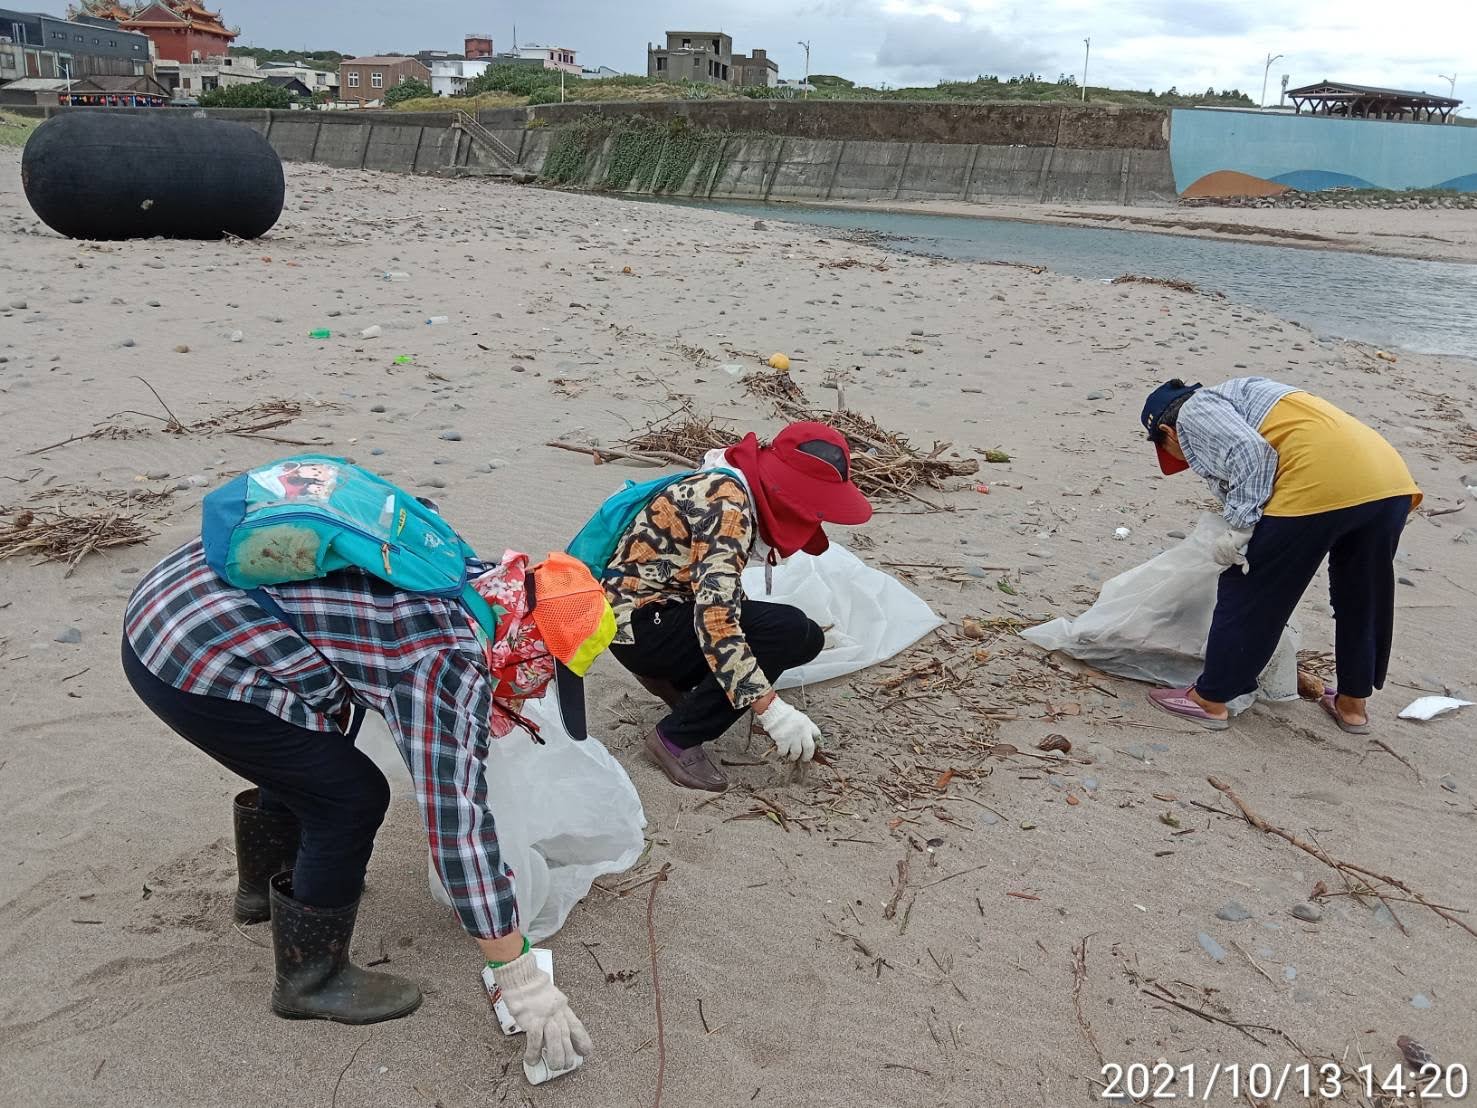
1219, 434
413, 659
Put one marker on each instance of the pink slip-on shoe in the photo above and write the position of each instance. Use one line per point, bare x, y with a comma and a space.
1329, 701
1177, 703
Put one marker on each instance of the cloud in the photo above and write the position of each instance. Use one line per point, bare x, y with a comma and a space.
929, 49
1135, 43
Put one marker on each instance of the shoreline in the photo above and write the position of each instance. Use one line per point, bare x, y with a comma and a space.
1236, 226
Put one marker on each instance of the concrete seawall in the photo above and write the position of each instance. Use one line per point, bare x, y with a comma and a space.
780, 150
785, 150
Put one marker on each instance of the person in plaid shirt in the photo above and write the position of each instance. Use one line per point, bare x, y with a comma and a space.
279, 705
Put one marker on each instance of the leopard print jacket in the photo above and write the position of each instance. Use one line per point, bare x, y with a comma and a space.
690, 546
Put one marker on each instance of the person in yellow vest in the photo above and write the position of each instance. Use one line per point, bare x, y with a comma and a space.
1300, 481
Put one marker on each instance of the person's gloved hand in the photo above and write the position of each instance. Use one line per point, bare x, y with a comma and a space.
554, 1031
1230, 549
793, 732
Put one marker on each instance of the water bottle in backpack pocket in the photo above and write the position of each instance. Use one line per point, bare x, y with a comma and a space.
306, 516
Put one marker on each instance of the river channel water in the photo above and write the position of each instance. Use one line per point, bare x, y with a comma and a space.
1427, 307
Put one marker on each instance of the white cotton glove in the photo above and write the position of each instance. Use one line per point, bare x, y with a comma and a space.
554, 1031
793, 732
1230, 549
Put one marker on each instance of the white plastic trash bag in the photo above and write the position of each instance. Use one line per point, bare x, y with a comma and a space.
566, 813
869, 615
1151, 623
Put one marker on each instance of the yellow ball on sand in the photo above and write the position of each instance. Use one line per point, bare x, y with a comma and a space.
779, 362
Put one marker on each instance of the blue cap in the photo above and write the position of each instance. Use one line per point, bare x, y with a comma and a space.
1158, 403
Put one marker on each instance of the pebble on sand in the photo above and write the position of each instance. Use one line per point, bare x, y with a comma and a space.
1308, 913
1211, 947
451, 436
1233, 912
69, 635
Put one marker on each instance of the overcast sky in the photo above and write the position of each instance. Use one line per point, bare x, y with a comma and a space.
1191, 44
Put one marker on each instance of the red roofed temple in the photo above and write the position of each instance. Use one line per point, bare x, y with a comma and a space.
181, 30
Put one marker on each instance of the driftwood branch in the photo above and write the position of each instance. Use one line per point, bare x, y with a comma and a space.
601, 453
1346, 869
1079, 976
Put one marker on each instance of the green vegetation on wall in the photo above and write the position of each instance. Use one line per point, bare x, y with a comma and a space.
644, 155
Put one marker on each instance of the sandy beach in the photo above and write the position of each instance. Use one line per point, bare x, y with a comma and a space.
1056, 914
1440, 235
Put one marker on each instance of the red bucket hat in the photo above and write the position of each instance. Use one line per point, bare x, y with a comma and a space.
799, 482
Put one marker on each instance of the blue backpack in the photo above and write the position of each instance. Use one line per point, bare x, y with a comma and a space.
597, 541
304, 517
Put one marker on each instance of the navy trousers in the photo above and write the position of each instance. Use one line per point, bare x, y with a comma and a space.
1285, 553
336, 791
666, 646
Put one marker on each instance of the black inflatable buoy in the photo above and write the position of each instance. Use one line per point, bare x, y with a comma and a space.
139, 174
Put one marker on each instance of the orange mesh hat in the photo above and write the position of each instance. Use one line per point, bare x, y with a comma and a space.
575, 621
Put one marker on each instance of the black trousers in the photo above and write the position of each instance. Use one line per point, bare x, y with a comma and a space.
337, 793
666, 646
1285, 553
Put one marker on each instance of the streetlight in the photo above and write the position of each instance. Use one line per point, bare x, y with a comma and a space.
1086, 53
1270, 59
806, 44
1452, 79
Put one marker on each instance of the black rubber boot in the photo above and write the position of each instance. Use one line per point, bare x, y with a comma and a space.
315, 980
266, 843
662, 689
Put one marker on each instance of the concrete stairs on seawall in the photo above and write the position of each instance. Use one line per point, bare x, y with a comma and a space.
504, 160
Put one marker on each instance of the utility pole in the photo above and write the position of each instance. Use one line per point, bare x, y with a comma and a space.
1262, 103
806, 44
1451, 79
1086, 53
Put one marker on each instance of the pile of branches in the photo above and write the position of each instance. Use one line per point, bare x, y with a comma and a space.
682, 438
265, 415
58, 536
254, 420
884, 465
773, 387
1163, 282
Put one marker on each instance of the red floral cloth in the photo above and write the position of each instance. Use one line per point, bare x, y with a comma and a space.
518, 660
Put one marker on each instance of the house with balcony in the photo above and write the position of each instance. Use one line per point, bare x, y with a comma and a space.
451, 73
186, 80
702, 56
46, 47
551, 57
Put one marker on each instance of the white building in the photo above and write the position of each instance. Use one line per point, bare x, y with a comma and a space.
599, 73
449, 75
190, 79
318, 80
553, 57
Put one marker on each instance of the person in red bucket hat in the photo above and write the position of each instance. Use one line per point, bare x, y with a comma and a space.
683, 625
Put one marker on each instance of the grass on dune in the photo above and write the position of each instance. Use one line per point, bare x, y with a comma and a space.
15, 129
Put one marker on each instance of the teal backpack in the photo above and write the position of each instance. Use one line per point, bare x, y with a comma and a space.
304, 517
597, 541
